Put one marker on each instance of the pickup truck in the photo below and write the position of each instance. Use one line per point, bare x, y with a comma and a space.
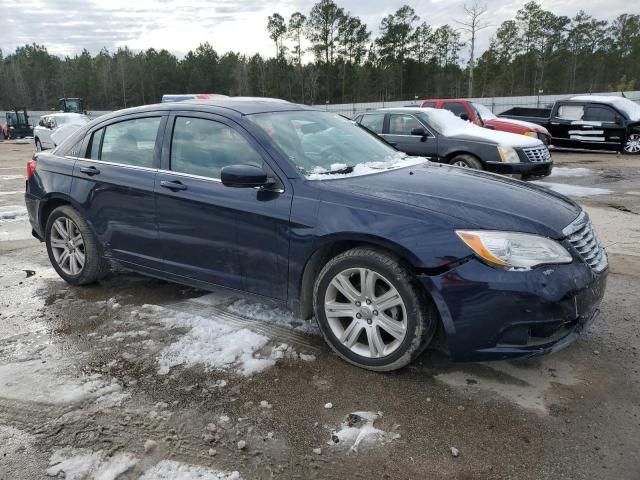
483, 117
588, 121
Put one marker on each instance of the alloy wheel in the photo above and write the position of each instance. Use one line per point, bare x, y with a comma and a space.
365, 312
632, 143
461, 163
67, 246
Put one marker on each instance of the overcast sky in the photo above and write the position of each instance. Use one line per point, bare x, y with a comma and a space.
65, 27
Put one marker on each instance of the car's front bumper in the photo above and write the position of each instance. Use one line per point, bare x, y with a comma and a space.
492, 314
522, 168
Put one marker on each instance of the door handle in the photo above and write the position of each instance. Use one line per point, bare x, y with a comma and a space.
90, 170
173, 186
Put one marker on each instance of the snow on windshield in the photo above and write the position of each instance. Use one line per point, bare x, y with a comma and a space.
628, 107
398, 161
484, 112
449, 125
319, 144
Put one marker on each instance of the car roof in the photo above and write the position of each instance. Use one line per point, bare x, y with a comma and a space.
236, 105
63, 114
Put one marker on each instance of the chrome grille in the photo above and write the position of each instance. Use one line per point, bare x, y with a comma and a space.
537, 154
581, 234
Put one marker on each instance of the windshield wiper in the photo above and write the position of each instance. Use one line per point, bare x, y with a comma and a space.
344, 170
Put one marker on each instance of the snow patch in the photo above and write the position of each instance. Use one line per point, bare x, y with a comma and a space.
81, 463
11, 212
172, 470
570, 172
358, 430
573, 190
35, 381
212, 343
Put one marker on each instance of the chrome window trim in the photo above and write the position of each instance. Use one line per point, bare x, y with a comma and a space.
115, 164
212, 179
189, 175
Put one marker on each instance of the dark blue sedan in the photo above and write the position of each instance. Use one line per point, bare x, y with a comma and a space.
307, 208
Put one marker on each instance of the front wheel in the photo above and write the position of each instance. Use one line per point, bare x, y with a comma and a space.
72, 247
466, 161
631, 144
38, 145
371, 310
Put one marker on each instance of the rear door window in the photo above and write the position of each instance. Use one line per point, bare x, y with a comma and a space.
204, 147
131, 142
373, 121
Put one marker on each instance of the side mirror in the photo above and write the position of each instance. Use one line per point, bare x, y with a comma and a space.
618, 119
418, 131
464, 117
245, 176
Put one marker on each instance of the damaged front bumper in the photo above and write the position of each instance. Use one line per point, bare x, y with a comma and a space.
492, 314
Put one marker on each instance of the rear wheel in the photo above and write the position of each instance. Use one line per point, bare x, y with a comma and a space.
466, 161
371, 311
631, 144
72, 247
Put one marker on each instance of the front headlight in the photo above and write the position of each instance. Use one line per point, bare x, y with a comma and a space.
508, 154
514, 250
531, 134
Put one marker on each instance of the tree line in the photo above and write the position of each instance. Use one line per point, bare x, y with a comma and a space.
328, 55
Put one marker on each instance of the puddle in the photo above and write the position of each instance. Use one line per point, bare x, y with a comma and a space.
527, 385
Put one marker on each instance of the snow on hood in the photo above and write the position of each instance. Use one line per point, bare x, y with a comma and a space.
450, 125
628, 107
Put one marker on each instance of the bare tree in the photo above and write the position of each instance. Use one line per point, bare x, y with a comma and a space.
472, 25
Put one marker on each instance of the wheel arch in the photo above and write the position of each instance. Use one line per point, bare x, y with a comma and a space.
332, 245
451, 155
53, 201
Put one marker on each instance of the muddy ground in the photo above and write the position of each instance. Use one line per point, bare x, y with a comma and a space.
136, 377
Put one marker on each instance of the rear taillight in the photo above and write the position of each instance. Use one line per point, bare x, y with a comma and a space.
31, 167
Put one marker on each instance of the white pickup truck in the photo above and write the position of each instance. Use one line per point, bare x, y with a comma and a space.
53, 128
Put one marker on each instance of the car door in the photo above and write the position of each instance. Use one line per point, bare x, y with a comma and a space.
398, 133
565, 124
603, 127
234, 237
114, 185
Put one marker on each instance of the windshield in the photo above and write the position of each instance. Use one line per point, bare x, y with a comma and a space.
483, 111
323, 143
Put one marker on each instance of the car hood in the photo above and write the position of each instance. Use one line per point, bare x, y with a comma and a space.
521, 123
480, 134
473, 198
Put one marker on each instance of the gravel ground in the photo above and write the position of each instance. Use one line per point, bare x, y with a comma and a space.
139, 378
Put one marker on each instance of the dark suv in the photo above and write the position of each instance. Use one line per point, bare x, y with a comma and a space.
306, 208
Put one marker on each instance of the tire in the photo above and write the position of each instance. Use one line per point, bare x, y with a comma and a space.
413, 318
38, 145
466, 161
70, 268
631, 144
